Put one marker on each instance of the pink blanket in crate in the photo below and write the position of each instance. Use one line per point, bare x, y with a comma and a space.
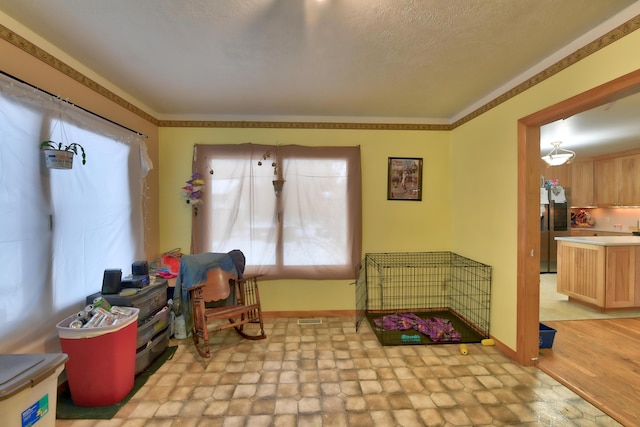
437, 329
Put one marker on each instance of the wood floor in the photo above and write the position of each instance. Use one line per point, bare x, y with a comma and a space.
600, 361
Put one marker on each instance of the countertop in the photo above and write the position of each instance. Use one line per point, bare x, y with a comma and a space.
603, 240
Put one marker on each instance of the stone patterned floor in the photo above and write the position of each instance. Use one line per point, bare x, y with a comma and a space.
329, 375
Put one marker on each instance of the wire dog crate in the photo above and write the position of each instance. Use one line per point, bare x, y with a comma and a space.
427, 298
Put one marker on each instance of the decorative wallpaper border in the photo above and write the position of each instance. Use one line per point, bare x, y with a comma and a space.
302, 125
607, 39
30, 48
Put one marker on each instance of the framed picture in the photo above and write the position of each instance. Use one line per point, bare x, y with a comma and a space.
404, 180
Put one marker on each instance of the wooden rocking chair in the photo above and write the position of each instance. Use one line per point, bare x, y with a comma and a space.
222, 296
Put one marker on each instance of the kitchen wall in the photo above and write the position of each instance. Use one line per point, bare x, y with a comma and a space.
615, 219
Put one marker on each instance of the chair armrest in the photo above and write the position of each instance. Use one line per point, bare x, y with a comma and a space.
196, 290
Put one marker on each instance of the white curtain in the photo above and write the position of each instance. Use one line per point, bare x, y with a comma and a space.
311, 230
61, 228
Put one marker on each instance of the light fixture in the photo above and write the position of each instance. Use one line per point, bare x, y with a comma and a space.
558, 156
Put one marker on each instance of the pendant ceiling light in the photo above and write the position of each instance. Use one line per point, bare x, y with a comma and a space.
558, 156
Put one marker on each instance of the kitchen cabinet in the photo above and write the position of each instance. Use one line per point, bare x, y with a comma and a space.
582, 184
630, 182
606, 177
616, 181
604, 276
581, 273
620, 276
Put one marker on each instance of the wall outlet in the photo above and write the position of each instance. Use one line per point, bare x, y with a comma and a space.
607, 220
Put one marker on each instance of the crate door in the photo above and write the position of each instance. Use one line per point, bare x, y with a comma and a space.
361, 295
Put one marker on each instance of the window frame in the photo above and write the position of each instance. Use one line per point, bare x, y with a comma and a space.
204, 163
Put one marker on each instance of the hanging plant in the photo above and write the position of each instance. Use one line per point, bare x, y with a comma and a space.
278, 181
192, 192
60, 156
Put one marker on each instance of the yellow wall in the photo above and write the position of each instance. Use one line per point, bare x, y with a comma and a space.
388, 226
484, 174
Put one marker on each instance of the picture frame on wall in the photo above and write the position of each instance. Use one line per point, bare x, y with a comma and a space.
404, 178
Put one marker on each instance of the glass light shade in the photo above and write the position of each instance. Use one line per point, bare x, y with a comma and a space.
558, 156
557, 159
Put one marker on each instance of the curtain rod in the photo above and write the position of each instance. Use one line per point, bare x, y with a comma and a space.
74, 105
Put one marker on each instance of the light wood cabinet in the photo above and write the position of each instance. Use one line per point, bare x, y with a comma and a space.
617, 181
582, 184
636, 302
581, 272
620, 276
606, 177
630, 180
606, 277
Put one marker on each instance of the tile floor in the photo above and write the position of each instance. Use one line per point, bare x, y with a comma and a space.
329, 375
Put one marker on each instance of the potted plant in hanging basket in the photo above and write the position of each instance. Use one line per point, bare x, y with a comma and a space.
279, 181
60, 156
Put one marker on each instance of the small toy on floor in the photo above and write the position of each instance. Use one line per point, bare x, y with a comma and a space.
463, 349
410, 338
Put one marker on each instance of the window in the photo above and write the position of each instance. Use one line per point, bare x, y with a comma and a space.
312, 229
61, 228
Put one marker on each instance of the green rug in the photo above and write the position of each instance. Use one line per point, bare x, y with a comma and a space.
66, 410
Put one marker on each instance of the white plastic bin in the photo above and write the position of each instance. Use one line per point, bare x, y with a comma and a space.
29, 389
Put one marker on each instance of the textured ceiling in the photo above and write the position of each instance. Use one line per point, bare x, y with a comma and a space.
382, 61
343, 60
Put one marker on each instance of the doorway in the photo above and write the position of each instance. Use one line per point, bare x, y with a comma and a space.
528, 294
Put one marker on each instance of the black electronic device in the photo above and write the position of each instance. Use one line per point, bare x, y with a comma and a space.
140, 268
111, 281
138, 281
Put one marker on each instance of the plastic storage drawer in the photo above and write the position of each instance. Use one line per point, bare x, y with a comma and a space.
148, 299
146, 355
152, 327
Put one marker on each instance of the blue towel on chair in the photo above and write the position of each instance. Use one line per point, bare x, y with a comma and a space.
193, 270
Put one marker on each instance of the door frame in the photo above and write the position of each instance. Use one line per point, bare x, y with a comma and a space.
528, 274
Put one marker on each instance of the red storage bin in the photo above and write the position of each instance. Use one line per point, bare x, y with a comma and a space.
102, 360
